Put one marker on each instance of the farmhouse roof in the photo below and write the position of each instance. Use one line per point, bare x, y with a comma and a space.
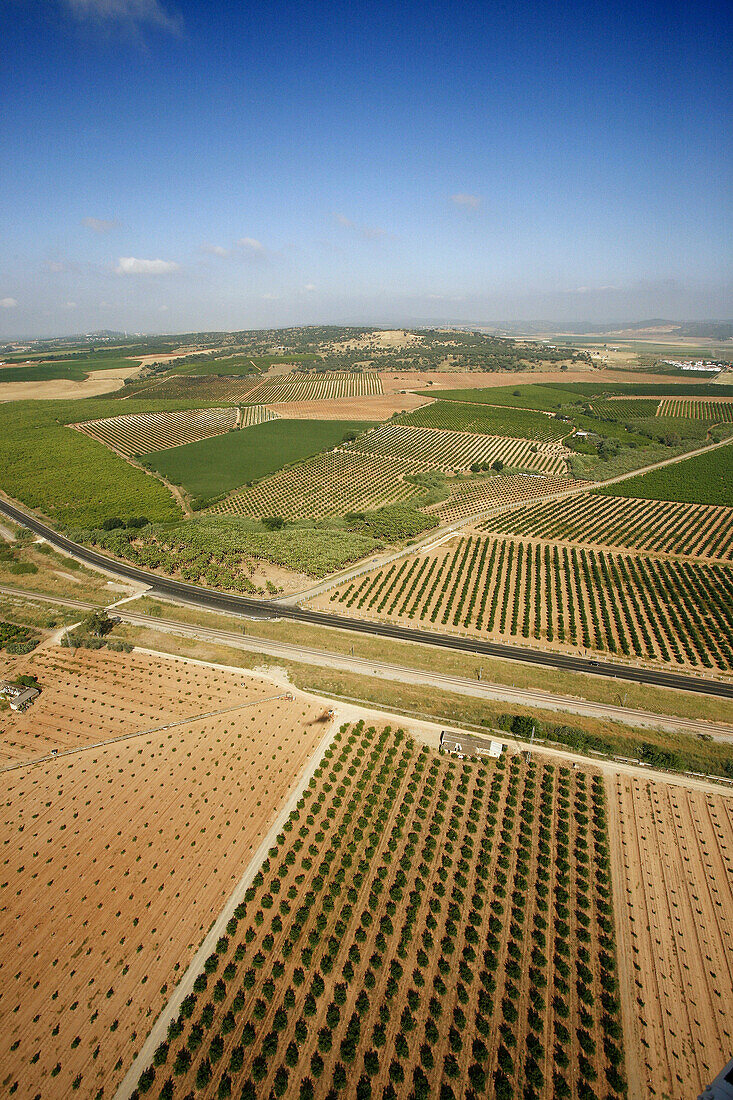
26, 696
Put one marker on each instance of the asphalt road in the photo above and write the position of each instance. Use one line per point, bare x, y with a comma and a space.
244, 605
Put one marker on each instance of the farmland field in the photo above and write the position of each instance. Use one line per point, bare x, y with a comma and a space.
118, 858
699, 530
141, 433
694, 409
72, 369
672, 859
240, 364
626, 408
67, 476
315, 387
333, 483
235, 553
487, 420
658, 609
704, 479
421, 927
213, 466
431, 449
204, 388
472, 497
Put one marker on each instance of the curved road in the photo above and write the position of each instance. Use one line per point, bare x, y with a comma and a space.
244, 605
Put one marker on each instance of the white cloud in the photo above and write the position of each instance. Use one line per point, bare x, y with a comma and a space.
466, 201
129, 265
8, 303
368, 232
309, 288
100, 225
56, 266
215, 249
270, 297
69, 305
133, 13
249, 244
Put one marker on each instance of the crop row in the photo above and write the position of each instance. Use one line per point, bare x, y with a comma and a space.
696, 409
432, 449
420, 928
333, 483
141, 433
700, 530
255, 414
625, 408
654, 608
321, 387
204, 387
469, 498
488, 420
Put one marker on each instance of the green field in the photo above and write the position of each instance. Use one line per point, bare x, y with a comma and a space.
75, 370
217, 550
239, 364
704, 479
558, 394
214, 466
485, 420
69, 477
520, 396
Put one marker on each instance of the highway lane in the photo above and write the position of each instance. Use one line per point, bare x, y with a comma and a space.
245, 605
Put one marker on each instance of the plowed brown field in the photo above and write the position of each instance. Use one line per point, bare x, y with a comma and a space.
672, 855
116, 859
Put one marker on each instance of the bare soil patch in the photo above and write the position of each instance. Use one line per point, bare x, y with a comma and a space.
65, 389
117, 859
379, 407
672, 857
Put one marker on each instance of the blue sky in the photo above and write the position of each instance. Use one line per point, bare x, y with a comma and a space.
170, 165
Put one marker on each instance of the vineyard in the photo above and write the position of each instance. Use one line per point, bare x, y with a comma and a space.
421, 927
658, 609
482, 496
672, 853
625, 408
333, 483
692, 408
430, 449
116, 860
255, 414
488, 420
143, 433
319, 387
202, 388
699, 530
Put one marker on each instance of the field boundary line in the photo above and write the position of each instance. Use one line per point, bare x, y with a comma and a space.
138, 733
159, 1030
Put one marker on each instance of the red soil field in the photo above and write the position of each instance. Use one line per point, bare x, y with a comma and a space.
672, 853
117, 859
89, 696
